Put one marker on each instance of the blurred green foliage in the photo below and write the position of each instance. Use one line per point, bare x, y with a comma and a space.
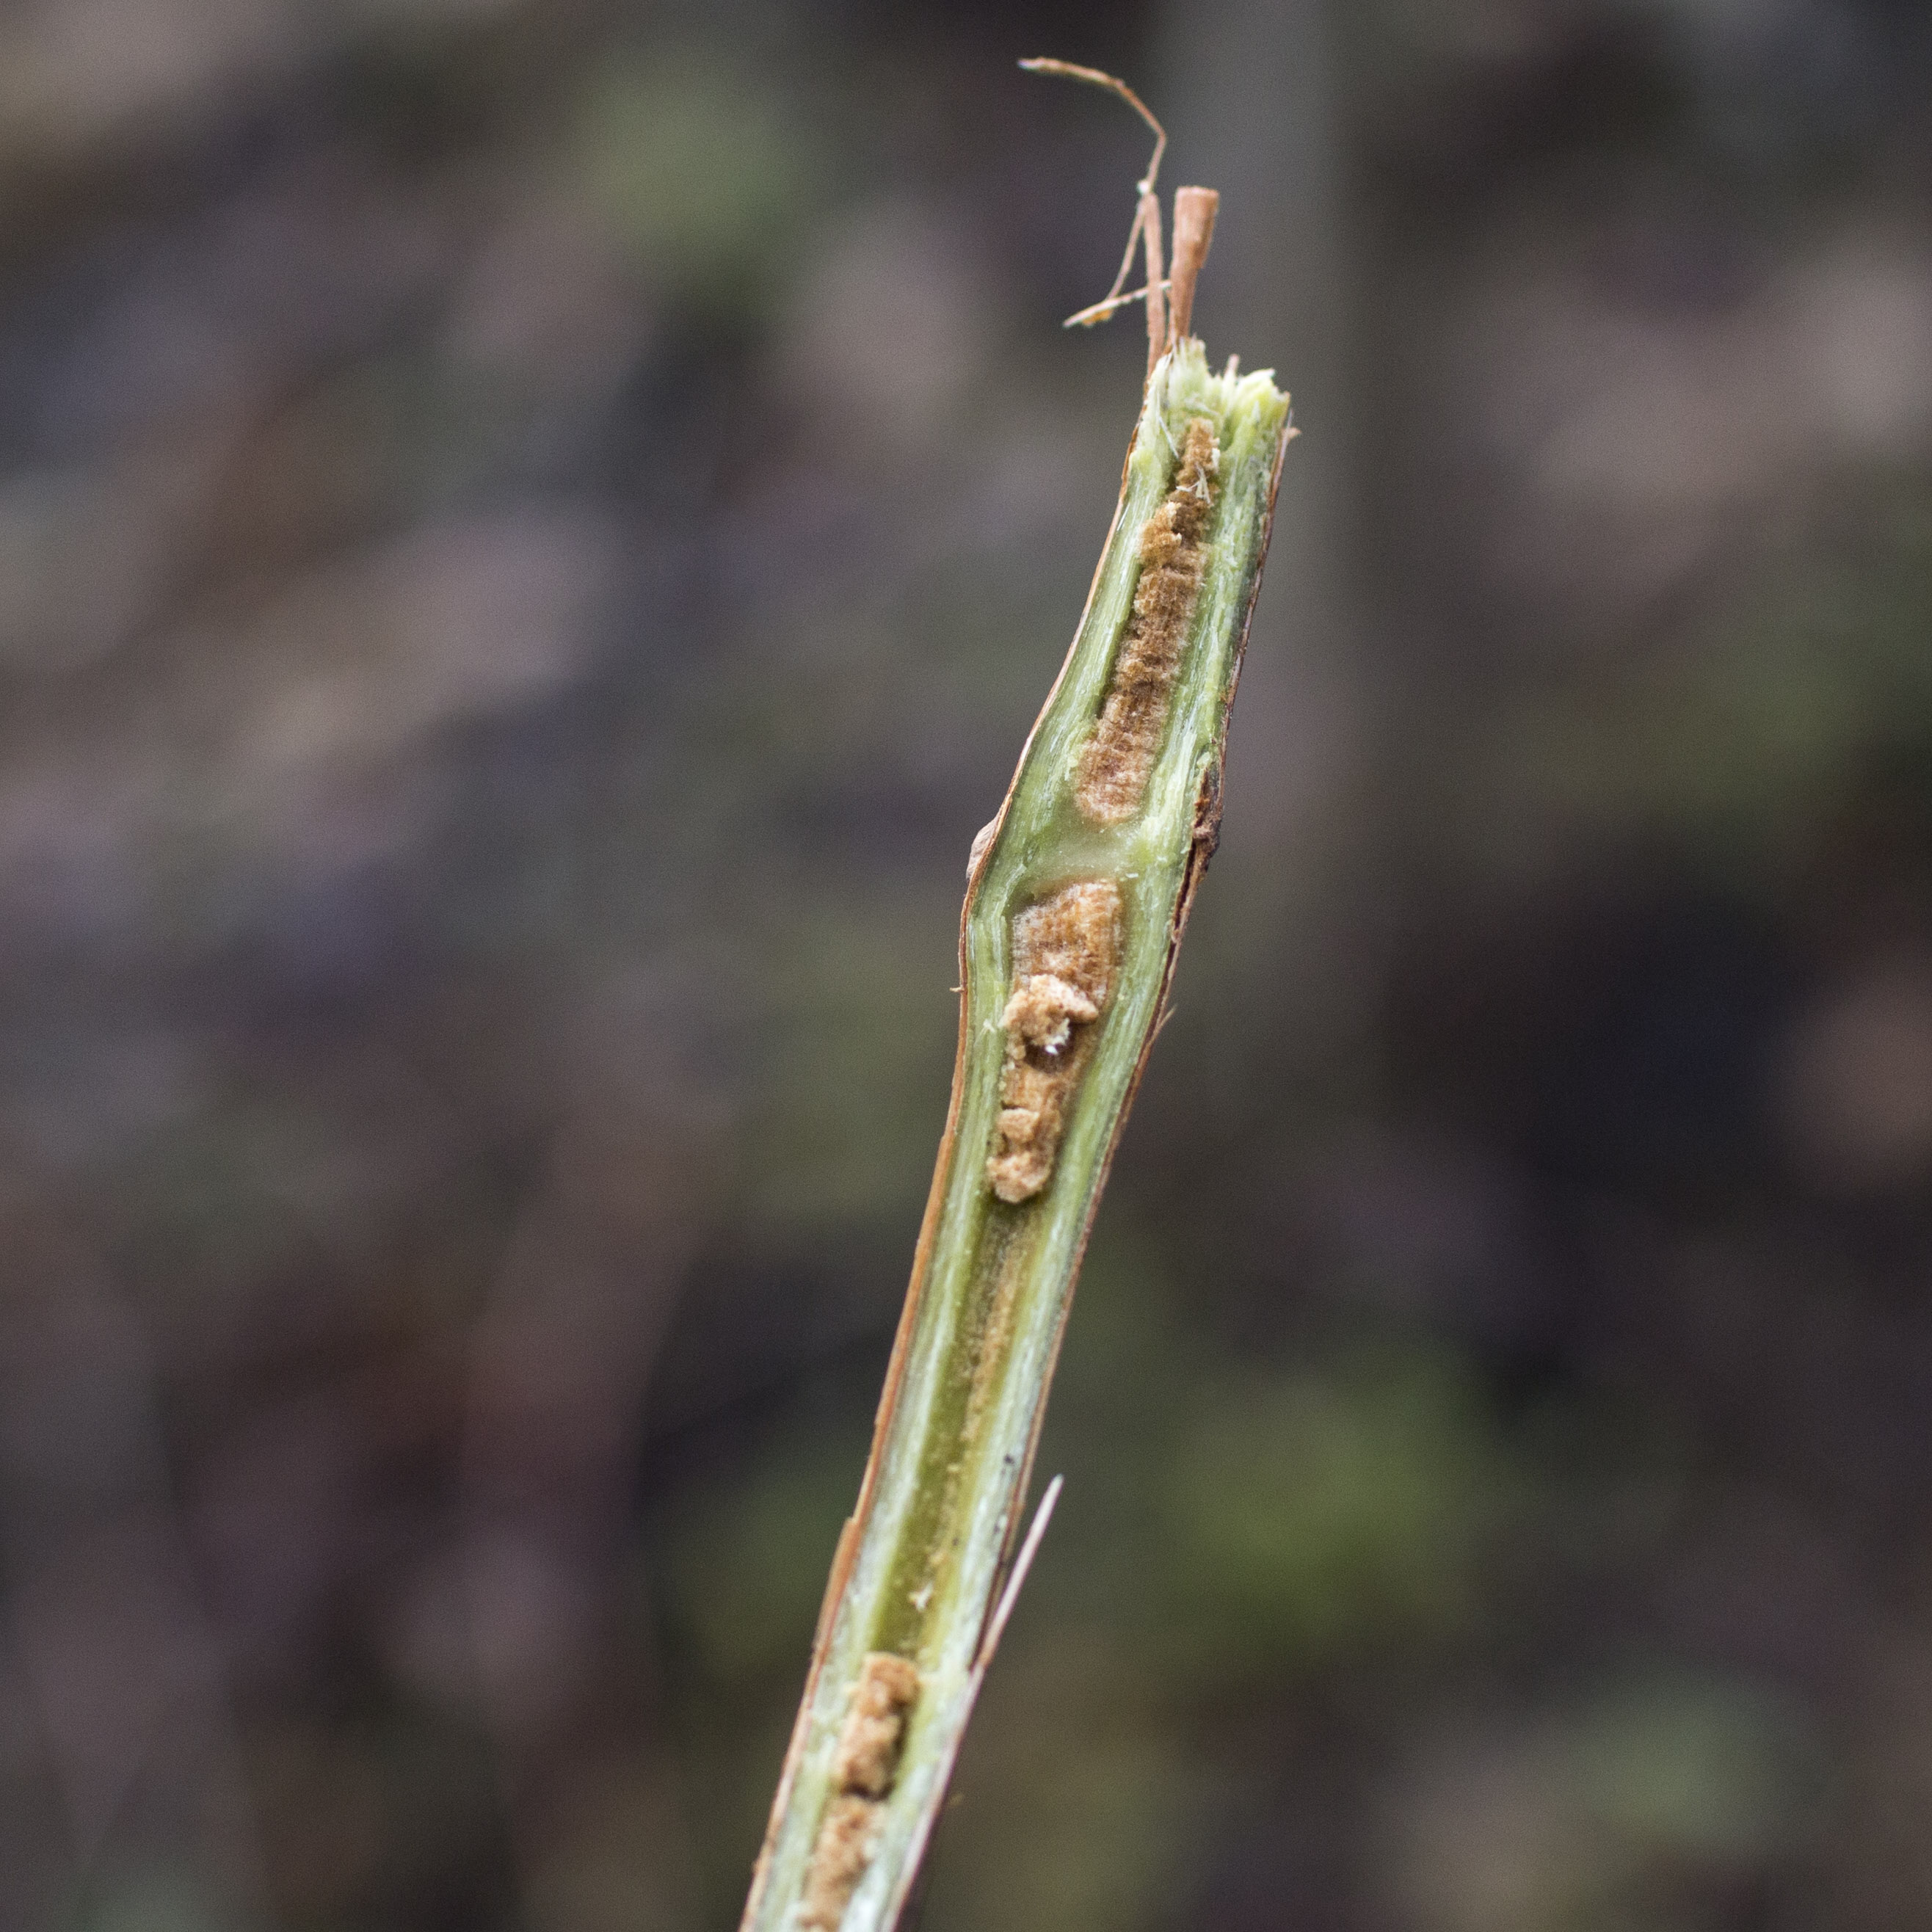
705, 170
1311, 1519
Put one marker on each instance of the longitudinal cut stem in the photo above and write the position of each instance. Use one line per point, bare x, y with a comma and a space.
1076, 896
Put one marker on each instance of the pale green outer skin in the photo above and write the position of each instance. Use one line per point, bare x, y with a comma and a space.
1042, 842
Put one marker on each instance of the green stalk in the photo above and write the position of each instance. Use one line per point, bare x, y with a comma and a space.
920, 1569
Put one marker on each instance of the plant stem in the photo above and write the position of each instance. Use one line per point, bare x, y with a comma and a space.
1077, 895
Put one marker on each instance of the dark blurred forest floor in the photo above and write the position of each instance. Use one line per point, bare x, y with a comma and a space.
530, 537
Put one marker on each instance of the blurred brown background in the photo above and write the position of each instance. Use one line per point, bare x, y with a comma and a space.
530, 536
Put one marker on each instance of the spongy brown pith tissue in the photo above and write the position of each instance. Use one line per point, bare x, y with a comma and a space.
863, 1769
1114, 765
1066, 950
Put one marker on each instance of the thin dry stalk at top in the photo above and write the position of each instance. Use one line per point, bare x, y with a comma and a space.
1194, 211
